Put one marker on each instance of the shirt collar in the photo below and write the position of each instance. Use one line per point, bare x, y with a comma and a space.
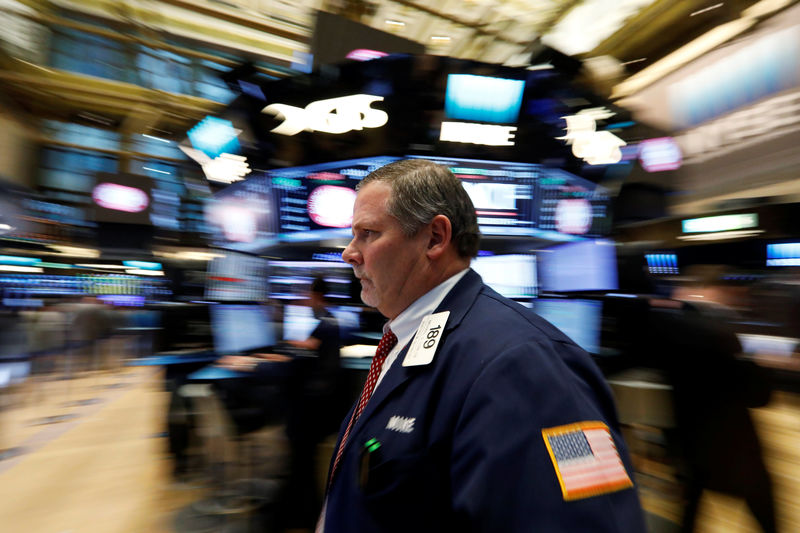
405, 324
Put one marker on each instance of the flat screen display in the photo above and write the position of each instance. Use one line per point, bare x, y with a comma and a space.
239, 277
512, 275
291, 280
783, 254
238, 328
122, 198
316, 201
242, 216
587, 265
298, 322
503, 193
662, 263
580, 320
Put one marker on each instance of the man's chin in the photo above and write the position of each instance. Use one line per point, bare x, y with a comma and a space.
369, 299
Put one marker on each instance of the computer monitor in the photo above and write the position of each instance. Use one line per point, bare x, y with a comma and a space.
237, 277
580, 320
298, 322
291, 280
240, 328
349, 319
587, 265
512, 275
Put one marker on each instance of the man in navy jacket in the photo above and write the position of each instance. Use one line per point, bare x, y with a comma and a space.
485, 417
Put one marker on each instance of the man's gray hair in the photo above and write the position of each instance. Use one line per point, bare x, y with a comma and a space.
420, 190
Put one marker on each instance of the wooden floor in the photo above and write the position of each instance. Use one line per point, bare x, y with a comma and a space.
93, 460
101, 469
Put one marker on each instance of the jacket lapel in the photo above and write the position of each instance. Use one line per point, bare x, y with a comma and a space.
458, 301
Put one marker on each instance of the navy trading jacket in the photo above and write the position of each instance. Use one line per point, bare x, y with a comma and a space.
510, 428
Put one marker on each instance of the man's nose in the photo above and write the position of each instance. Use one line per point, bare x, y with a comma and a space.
350, 254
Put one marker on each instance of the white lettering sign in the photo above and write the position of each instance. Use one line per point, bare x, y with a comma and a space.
335, 115
225, 168
760, 122
474, 133
594, 147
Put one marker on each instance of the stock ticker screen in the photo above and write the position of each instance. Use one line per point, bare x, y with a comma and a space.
526, 199
316, 201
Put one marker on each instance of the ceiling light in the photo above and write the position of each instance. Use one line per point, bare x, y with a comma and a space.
442, 38
156, 170
632, 61
156, 138
709, 8
392, 22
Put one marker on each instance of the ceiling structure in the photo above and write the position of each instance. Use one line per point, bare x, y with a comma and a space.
619, 40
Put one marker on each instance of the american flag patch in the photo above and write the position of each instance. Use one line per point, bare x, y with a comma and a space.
586, 460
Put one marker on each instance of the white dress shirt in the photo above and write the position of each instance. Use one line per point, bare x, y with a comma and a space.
406, 323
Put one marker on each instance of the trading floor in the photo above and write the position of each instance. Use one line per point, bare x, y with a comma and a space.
88, 455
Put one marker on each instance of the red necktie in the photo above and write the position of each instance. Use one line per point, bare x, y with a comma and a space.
388, 342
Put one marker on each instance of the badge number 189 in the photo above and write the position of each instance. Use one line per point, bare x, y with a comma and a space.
426, 339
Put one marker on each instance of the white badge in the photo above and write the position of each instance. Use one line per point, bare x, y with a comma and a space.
426, 339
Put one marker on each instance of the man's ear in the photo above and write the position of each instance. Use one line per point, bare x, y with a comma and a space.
441, 235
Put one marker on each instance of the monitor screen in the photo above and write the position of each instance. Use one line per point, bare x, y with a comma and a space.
291, 280
348, 318
580, 320
503, 193
298, 322
316, 201
588, 265
242, 216
238, 328
237, 277
783, 254
526, 199
662, 263
512, 275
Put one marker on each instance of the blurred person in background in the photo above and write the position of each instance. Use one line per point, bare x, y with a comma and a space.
314, 404
90, 323
46, 337
715, 437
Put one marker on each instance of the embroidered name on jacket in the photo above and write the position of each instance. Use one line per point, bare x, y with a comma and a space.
403, 424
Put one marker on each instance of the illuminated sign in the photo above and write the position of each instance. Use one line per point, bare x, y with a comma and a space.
469, 132
659, 154
120, 197
362, 54
332, 206
335, 115
483, 98
766, 66
594, 147
720, 223
225, 168
765, 120
783, 254
17, 260
144, 265
214, 136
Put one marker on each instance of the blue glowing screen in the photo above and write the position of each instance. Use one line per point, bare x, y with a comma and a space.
214, 136
483, 98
